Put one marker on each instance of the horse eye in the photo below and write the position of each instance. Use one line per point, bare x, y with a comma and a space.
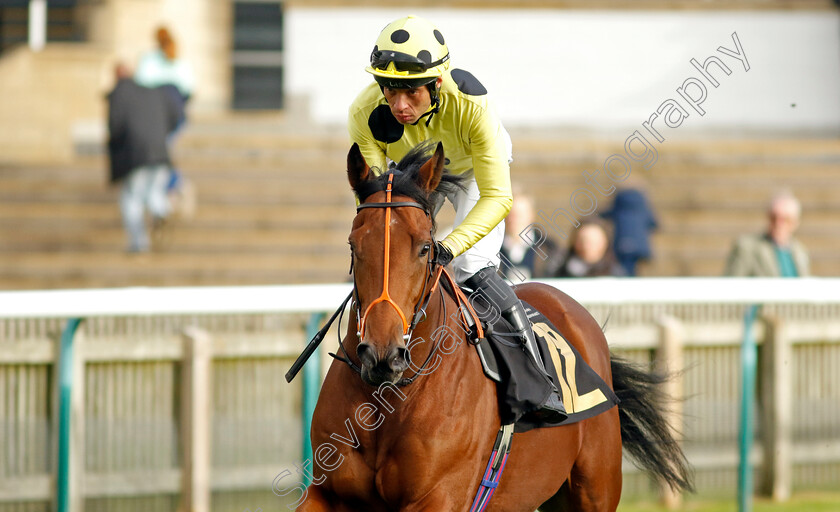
425, 250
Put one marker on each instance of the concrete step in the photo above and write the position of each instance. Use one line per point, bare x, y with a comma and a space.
120, 269
280, 216
178, 240
685, 242
712, 263
700, 148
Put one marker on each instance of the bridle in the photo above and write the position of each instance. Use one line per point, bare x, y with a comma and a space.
433, 277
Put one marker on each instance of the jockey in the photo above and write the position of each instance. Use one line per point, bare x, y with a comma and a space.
415, 98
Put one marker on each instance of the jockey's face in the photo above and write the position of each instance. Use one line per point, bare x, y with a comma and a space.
407, 105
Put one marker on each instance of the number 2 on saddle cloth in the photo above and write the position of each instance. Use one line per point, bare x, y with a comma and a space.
584, 392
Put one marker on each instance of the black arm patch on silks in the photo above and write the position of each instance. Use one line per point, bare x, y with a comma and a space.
384, 126
467, 83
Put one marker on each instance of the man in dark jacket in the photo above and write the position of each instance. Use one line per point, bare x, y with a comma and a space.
633, 220
139, 120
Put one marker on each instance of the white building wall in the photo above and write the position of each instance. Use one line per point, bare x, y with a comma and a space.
202, 32
595, 70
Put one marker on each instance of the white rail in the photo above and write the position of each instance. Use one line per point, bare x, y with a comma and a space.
325, 297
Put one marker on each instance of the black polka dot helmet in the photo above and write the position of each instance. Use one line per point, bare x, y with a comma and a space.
409, 52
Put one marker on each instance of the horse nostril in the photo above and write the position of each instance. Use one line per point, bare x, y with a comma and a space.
404, 354
400, 359
366, 355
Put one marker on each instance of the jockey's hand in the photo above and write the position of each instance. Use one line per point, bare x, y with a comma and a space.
442, 254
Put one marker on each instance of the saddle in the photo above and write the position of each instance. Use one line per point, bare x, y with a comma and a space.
585, 394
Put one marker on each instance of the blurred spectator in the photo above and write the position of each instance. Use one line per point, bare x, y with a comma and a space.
139, 120
775, 253
518, 242
161, 67
633, 220
590, 253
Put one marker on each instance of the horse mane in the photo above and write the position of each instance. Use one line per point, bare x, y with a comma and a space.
405, 179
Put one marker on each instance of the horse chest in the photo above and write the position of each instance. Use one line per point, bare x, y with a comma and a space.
368, 475
398, 464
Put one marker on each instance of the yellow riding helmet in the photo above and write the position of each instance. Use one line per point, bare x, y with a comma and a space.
408, 52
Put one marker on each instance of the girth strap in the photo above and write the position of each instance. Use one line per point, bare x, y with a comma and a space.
495, 466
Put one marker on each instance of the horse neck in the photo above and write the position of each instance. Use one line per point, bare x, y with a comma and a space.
442, 333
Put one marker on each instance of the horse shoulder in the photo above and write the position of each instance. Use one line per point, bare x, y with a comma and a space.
348, 465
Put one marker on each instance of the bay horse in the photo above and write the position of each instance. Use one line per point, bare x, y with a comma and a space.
406, 419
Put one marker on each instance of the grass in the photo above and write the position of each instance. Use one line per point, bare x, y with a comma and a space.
805, 502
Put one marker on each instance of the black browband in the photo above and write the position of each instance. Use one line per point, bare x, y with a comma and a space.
392, 205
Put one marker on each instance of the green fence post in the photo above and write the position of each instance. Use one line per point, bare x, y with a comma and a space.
65, 383
749, 356
311, 389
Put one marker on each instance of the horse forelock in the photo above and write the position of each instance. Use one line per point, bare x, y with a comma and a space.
405, 182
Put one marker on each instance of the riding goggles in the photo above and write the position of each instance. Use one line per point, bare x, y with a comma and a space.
403, 62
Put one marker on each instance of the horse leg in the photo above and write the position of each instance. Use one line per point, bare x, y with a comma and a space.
559, 502
595, 481
432, 502
585, 495
316, 501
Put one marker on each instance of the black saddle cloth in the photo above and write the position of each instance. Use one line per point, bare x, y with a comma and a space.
522, 386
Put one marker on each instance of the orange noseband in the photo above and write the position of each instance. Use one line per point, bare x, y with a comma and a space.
385, 296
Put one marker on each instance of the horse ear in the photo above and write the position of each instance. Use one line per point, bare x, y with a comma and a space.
430, 173
357, 169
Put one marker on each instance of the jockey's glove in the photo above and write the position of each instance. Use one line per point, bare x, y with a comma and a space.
442, 254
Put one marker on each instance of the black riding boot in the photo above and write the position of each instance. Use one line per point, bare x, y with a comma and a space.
552, 410
493, 288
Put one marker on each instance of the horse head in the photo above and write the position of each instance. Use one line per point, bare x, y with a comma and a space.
392, 245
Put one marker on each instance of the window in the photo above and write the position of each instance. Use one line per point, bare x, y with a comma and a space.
257, 55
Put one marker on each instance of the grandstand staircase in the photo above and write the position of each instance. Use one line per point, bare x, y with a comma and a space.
274, 206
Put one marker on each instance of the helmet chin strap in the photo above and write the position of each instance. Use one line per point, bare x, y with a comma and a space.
435, 94
434, 110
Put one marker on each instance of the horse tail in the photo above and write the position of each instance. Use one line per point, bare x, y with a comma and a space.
645, 433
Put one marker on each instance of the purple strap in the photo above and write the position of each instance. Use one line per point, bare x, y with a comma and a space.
495, 467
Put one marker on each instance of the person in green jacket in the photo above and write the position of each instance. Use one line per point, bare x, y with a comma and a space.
774, 253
